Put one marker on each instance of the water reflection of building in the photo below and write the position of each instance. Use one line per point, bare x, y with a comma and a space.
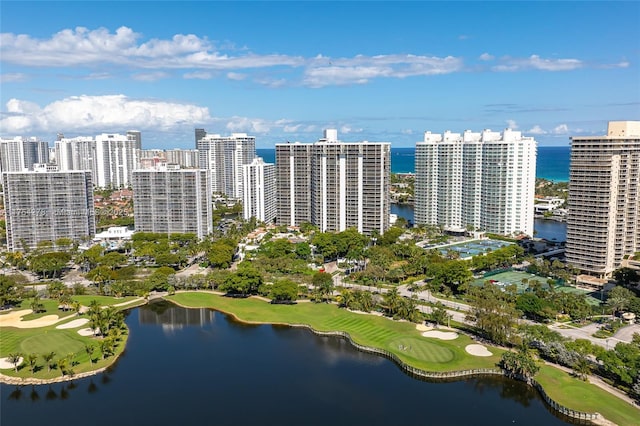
173, 318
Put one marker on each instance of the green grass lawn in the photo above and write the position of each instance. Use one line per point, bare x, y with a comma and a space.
425, 353
50, 308
46, 339
583, 396
406, 342
102, 300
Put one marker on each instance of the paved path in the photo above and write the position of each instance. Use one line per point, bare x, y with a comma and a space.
623, 335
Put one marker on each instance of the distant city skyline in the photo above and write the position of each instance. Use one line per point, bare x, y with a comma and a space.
283, 71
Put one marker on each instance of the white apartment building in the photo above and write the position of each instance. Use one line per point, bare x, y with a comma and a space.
603, 219
293, 183
172, 200
224, 157
45, 205
481, 181
116, 159
335, 185
77, 153
152, 158
259, 185
19, 154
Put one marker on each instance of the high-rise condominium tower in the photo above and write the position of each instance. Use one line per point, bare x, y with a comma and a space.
46, 206
224, 157
20, 154
603, 221
259, 185
172, 200
477, 181
116, 159
77, 153
334, 185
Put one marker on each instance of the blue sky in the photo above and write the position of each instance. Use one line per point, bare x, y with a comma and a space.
283, 71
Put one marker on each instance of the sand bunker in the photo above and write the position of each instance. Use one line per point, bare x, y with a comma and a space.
477, 350
442, 335
14, 319
88, 332
422, 327
5, 364
74, 324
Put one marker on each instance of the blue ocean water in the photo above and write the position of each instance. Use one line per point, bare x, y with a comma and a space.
553, 161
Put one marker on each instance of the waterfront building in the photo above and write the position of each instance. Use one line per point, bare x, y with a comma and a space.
172, 200
46, 205
259, 185
293, 183
334, 185
152, 158
603, 220
20, 154
476, 181
185, 158
116, 159
223, 157
77, 153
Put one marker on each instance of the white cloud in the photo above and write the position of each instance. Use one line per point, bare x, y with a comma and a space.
561, 129
537, 130
323, 71
537, 63
12, 77
96, 48
99, 113
236, 76
511, 124
98, 76
198, 75
406, 131
486, 57
150, 76
348, 129
250, 125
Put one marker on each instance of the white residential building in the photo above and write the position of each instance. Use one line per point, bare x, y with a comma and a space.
77, 153
172, 200
46, 205
603, 219
259, 185
20, 154
224, 157
335, 185
481, 181
116, 159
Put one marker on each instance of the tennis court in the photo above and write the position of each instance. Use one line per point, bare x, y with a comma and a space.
504, 279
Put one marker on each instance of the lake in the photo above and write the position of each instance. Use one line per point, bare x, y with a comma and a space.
551, 230
187, 367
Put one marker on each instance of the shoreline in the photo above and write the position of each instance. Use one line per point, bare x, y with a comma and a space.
595, 417
26, 381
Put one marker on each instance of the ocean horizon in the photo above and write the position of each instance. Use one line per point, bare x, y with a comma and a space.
552, 162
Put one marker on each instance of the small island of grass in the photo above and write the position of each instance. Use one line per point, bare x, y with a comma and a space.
53, 344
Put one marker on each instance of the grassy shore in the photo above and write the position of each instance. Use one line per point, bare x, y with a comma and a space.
64, 342
408, 344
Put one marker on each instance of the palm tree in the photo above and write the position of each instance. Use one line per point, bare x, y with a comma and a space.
582, 367
15, 359
32, 359
48, 358
63, 365
392, 300
90, 349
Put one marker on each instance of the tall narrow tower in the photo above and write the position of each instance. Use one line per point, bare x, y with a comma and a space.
603, 221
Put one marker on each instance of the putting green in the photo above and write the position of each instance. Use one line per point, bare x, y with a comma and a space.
60, 343
422, 349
